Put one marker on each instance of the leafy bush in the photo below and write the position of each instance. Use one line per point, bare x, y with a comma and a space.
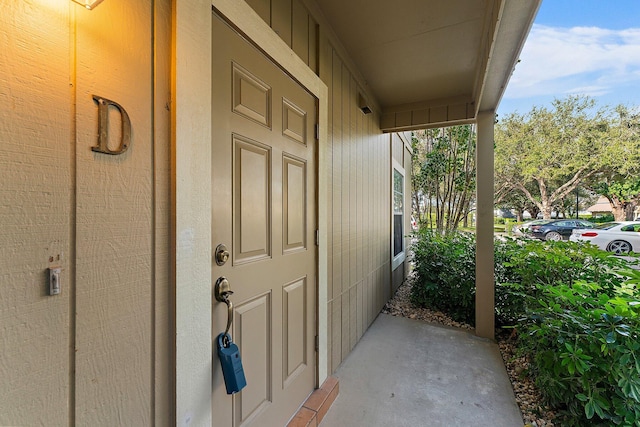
522, 265
584, 352
604, 218
445, 271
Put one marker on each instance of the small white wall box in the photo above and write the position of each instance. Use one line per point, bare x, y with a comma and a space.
54, 280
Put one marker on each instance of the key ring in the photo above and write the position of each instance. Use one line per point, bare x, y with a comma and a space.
226, 340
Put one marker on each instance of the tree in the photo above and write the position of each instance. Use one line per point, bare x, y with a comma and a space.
508, 197
444, 174
622, 196
417, 179
547, 153
617, 179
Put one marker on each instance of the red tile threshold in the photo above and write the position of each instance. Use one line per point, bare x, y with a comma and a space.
317, 404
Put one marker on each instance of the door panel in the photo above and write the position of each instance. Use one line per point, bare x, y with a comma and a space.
294, 203
251, 96
294, 122
252, 204
253, 326
264, 208
294, 346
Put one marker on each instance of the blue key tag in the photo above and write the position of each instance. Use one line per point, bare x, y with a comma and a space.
231, 363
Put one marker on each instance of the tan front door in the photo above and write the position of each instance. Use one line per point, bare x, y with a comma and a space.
264, 211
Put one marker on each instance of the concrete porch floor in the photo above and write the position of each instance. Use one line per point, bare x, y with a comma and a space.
407, 372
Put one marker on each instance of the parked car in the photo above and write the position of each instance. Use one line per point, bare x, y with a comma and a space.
618, 237
504, 213
559, 229
525, 227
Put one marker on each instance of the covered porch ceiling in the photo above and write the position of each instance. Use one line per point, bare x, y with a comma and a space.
428, 63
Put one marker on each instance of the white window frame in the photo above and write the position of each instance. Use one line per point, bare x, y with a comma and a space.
398, 259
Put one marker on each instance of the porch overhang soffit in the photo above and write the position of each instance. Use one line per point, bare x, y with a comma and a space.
431, 63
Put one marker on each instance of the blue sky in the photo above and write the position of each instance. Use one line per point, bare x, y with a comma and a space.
588, 47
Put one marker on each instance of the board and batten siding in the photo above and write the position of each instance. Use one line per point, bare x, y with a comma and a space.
359, 198
359, 264
291, 20
35, 213
100, 353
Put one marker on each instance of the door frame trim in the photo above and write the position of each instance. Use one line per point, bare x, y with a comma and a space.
191, 153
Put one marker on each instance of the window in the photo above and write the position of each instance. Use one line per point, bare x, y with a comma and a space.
398, 197
585, 224
398, 215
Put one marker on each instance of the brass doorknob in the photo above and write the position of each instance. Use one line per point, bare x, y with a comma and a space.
222, 290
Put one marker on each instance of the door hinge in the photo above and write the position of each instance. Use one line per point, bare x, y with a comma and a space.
317, 237
317, 131
317, 343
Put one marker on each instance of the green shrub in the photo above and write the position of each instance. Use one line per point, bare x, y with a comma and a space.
603, 218
523, 265
445, 273
509, 293
584, 352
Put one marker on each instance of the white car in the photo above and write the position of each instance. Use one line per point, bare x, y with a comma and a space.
618, 237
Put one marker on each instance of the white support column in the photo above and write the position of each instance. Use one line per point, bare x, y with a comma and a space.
485, 292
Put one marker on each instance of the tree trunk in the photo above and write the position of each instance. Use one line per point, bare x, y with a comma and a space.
534, 211
628, 211
622, 211
619, 212
518, 214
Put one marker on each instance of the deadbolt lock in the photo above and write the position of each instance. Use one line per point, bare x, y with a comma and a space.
222, 254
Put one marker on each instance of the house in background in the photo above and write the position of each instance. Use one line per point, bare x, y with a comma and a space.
150, 150
600, 208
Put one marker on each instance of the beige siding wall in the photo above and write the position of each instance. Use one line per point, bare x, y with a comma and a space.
397, 147
35, 208
100, 353
291, 20
359, 256
359, 185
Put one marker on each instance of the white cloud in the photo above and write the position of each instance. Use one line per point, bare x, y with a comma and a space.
580, 60
592, 90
